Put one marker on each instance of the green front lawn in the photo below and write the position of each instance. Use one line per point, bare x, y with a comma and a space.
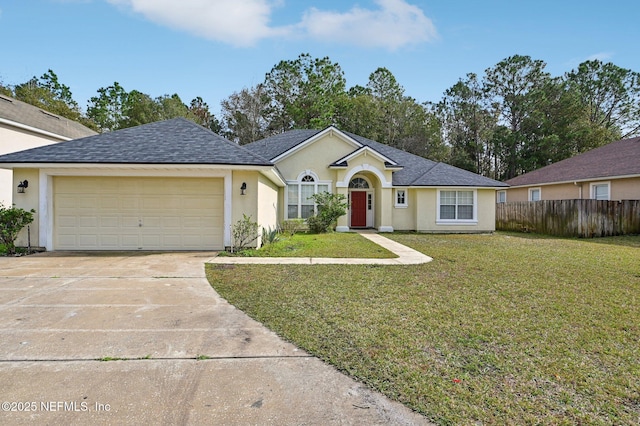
334, 244
498, 329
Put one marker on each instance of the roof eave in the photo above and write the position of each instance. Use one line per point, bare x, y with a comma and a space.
49, 165
563, 182
449, 186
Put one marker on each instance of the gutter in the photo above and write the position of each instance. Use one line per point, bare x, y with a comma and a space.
33, 129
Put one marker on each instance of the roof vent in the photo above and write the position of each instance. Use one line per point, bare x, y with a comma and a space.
49, 114
4, 98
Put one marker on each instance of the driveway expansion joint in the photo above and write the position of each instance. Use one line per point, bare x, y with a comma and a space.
183, 358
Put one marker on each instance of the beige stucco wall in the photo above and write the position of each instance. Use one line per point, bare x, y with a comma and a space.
27, 201
427, 205
549, 192
268, 211
404, 218
260, 201
621, 189
244, 204
315, 157
13, 139
625, 189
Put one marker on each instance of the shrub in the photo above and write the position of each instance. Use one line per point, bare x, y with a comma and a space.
316, 225
245, 232
12, 220
330, 208
270, 236
292, 226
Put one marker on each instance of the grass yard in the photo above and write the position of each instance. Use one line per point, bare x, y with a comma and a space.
498, 329
334, 244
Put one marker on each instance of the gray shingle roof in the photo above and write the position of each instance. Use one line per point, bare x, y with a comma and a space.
276, 145
176, 141
621, 158
416, 170
420, 171
29, 115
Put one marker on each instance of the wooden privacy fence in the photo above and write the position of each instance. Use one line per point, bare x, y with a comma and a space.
570, 218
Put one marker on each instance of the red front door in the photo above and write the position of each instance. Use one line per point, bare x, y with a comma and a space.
358, 209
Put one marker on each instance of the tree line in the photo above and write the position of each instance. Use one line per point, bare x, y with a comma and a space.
514, 118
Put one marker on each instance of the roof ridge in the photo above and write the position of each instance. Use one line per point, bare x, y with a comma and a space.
429, 170
208, 130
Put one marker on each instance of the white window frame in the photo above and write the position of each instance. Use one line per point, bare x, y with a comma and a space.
316, 182
504, 200
531, 190
405, 201
473, 221
594, 185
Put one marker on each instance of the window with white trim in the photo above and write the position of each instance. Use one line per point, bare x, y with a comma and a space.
502, 197
457, 206
535, 194
300, 205
401, 198
600, 191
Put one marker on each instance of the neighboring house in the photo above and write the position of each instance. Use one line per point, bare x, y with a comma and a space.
175, 185
611, 172
24, 126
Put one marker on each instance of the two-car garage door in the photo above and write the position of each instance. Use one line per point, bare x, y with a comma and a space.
138, 213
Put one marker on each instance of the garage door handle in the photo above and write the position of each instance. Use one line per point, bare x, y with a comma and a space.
140, 223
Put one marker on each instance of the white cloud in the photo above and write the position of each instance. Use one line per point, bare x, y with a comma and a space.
601, 56
238, 22
394, 24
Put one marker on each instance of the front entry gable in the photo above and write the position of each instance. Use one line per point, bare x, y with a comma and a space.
330, 132
365, 151
366, 160
317, 154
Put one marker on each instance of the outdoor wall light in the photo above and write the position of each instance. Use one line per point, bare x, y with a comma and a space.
243, 188
22, 186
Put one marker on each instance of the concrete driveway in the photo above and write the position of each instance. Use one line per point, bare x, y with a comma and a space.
134, 338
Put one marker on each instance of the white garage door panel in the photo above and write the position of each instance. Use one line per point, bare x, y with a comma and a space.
111, 213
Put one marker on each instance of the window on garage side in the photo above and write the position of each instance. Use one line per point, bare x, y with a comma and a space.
456, 206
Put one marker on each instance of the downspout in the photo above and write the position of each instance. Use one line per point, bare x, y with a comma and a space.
579, 189
580, 209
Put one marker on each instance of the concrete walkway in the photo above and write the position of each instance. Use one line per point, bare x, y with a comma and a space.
406, 256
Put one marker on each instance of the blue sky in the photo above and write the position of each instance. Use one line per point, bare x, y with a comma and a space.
212, 48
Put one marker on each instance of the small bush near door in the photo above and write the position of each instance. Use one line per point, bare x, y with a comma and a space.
330, 208
245, 232
12, 220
